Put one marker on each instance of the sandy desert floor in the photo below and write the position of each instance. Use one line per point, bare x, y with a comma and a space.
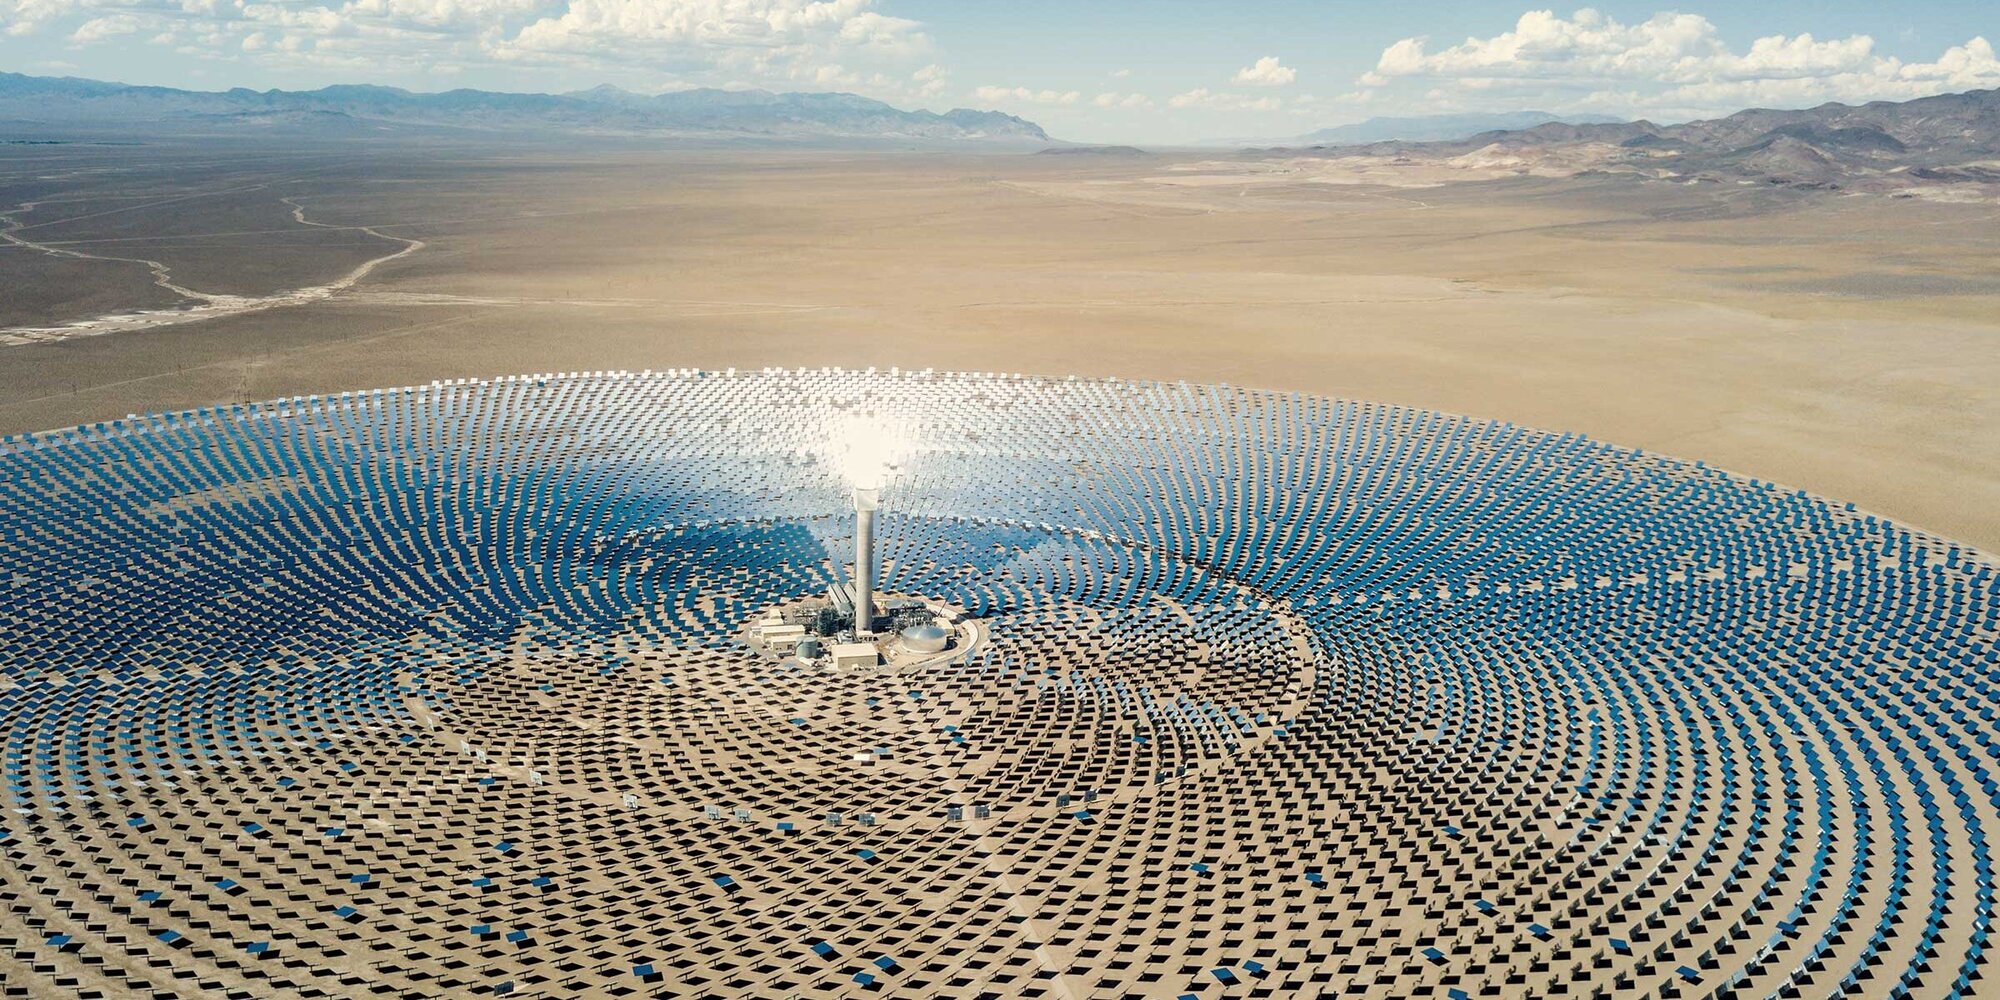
1848, 345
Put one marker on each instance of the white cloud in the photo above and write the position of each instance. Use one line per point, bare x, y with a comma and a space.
1961, 67
99, 28
1266, 72
416, 13
758, 26
931, 80
1121, 73
993, 95
1674, 63
1543, 44
882, 33
1202, 97
843, 43
25, 17
1113, 100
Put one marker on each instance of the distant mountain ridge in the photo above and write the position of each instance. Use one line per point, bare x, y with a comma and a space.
733, 114
1881, 145
1440, 128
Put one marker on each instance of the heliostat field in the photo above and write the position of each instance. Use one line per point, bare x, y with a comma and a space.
445, 691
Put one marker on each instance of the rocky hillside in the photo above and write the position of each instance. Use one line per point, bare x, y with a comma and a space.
1882, 145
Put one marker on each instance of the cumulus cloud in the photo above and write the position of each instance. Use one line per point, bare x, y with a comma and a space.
1202, 97
1676, 63
845, 43
25, 17
1266, 72
419, 13
99, 28
931, 80
769, 26
1113, 99
996, 95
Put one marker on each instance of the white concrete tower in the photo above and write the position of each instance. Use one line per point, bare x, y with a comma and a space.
865, 450
867, 499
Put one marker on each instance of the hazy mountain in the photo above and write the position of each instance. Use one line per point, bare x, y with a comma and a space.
1432, 128
1112, 152
1882, 145
732, 114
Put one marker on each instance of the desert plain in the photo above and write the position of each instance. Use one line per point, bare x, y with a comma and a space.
1845, 344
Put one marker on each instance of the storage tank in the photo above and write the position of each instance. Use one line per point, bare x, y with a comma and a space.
925, 639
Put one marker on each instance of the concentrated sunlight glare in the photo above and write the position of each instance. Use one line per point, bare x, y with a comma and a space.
865, 449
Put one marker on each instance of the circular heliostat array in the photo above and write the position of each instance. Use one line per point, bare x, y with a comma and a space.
443, 691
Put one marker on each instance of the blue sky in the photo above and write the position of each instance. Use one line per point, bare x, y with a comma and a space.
1160, 71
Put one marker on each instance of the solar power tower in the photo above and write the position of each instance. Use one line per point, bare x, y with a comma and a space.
867, 499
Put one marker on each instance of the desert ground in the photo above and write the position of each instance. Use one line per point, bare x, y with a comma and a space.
1844, 344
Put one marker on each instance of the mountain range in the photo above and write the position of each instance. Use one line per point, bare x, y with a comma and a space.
704, 113
1440, 128
1882, 145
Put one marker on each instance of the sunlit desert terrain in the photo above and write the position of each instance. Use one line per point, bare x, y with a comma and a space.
1844, 344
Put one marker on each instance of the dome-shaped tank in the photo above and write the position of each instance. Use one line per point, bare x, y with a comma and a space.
925, 639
